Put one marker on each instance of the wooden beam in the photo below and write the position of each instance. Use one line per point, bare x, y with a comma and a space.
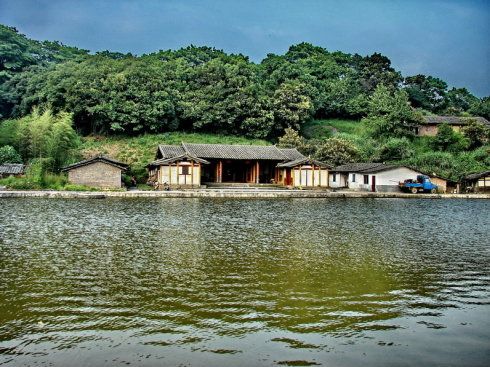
192, 173
220, 172
199, 174
257, 178
178, 175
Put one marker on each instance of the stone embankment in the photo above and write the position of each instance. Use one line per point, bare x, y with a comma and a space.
231, 193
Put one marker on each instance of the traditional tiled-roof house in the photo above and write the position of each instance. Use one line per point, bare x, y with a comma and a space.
190, 165
370, 176
100, 171
432, 123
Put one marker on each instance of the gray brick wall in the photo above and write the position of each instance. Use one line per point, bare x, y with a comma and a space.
97, 174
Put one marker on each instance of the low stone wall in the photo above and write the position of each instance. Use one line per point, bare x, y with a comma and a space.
228, 193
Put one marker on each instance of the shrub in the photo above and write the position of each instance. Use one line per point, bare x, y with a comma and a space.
337, 151
477, 134
395, 149
20, 183
447, 139
9, 155
54, 182
290, 139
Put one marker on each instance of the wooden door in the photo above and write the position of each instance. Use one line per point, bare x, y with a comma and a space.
288, 180
373, 183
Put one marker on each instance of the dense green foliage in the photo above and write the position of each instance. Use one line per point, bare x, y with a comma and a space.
8, 154
390, 114
206, 90
18, 54
476, 134
347, 107
447, 139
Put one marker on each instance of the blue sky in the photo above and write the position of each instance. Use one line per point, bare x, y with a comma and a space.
446, 39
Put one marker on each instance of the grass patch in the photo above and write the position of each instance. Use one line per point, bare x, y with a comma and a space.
321, 129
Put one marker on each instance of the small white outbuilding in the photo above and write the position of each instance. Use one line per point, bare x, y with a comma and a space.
375, 177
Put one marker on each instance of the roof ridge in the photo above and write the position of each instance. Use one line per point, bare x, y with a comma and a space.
282, 153
96, 158
233, 145
185, 148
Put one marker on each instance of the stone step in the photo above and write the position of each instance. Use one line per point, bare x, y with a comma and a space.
239, 185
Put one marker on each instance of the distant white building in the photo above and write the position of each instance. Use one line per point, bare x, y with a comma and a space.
375, 177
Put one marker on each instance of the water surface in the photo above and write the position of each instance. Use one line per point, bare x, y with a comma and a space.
207, 282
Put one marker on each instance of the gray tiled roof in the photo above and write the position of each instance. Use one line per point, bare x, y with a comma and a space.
170, 151
475, 176
303, 160
454, 120
99, 158
186, 157
291, 153
363, 167
288, 157
222, 151
227, 151
12, 169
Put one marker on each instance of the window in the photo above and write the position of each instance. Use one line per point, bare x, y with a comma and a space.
334, 177
353, 177
366, 179
185, 170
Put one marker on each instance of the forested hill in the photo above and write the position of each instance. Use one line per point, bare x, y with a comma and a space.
207, 90
60, 104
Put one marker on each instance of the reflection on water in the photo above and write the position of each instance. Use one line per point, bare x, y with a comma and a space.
198, 282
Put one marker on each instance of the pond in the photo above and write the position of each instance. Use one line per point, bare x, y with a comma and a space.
233, 282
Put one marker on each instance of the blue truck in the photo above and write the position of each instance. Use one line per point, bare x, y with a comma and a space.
422, 184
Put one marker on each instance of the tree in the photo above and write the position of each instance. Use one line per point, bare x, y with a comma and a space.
375, 70
447, 139
104, 95
291, 139
291, 106
46, 136
390, 114
459, 100
9, 155
337, 151
395, 149
477, 134
481, 108
426, 92
18, 53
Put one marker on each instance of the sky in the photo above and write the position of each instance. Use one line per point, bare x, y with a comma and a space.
446, 39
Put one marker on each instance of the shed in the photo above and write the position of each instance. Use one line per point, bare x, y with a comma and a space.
478, 182
11, 169
100, 171
376, 177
